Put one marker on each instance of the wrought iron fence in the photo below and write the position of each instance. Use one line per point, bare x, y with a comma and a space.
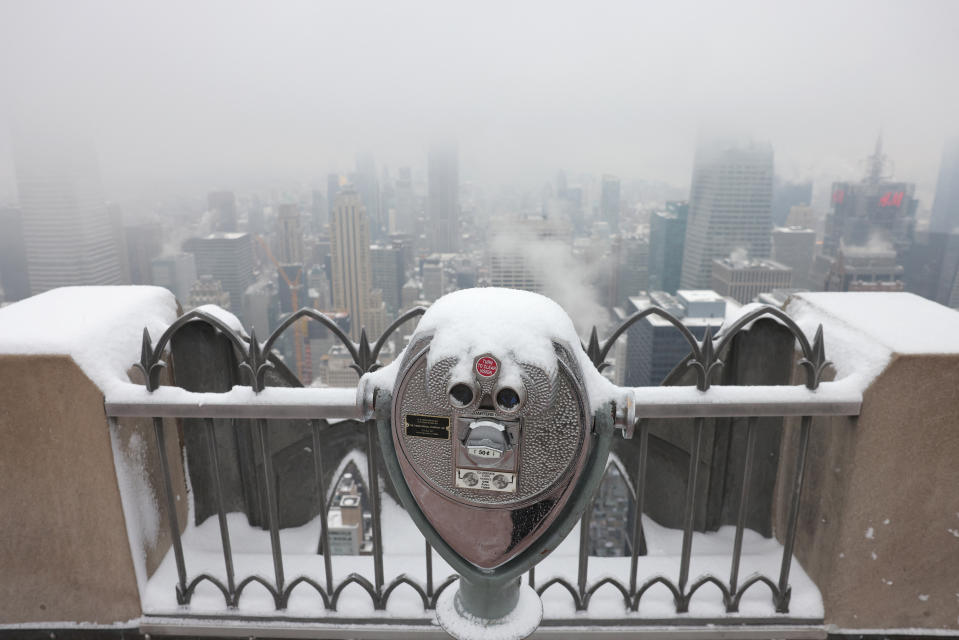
318, 405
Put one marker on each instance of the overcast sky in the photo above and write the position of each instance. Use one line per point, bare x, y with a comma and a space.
221, 93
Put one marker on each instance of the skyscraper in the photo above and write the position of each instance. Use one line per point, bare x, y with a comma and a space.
653, 345
444, 199
795, 248
223, 204
787, 195
609, 202
667, 237
945, 208
350, 253
227, 257
629, 257
318, 211
730, 204
289, 235
176, 272
405, 203
332, 189
368, 188
743, 279
13, 257
143, 243
67, 228
388, 274
874, 212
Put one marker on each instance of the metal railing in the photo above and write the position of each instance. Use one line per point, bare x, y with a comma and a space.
316, 405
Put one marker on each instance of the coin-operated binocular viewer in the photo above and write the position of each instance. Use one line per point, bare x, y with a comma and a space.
495, 446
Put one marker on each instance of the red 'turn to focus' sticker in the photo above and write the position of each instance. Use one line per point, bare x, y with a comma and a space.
486, 366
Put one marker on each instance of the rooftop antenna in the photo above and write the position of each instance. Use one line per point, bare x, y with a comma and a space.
876, 163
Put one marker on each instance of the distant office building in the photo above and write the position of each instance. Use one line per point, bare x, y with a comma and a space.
336, 370
443, 204
228, 258
176, 272
572, 202
611, 519
318, 211
368, 187
321, 339
945, 208
410, 294
630, 268
787, 195
743, 279
465, 270
387, 203
510, 261
729, 207
654, 346
513, 270
143, 244
261, 306
68, 233
345, 531
871, 212
344, 527
14, 279
255, 219
350, 258
609, 203
931, 266
803, 216
332, 190
667, 238
404, 243
223, 205
405, 202
795, 247
859, 268
208, 290
289, 235
377, 317
434, 278
388, 274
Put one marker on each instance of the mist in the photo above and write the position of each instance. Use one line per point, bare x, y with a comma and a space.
179, 95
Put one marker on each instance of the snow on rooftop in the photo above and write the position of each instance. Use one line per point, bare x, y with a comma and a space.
794, 229
226, 235
699, 295
101, 328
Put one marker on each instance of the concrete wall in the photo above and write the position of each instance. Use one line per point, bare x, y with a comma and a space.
64, 550
879, 520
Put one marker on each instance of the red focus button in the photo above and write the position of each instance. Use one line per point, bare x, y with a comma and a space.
486, 366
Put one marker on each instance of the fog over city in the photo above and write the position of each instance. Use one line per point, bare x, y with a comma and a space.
591, 152
198, 94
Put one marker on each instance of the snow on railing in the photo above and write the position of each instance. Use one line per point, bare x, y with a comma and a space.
319, 405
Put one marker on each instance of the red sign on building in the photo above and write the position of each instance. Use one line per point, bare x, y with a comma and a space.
891, 199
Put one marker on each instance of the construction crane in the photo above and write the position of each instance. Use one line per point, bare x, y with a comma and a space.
299, 327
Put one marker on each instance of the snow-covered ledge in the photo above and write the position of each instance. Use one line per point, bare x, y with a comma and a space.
879, 525
64, 547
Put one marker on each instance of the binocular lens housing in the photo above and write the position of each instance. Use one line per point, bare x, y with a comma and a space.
507, 398
461, 394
